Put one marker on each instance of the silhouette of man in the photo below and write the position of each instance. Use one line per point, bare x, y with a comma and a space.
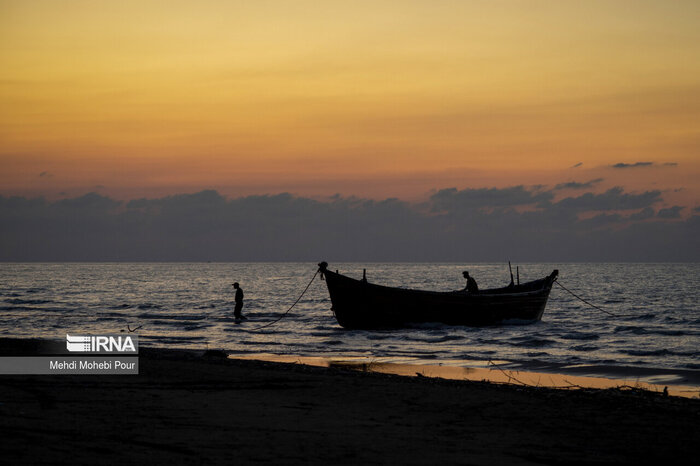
471, 283
239, 302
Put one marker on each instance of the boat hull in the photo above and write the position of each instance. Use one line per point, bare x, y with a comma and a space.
358, 304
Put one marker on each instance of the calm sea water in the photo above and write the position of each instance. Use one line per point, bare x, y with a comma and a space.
191, 304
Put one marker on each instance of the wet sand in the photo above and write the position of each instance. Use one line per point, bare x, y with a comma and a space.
507, 372
190, 408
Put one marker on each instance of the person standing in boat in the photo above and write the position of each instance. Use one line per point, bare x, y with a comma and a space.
471, 283
239, 302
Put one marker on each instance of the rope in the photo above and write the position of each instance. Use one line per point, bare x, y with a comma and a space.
288, 310
578, 297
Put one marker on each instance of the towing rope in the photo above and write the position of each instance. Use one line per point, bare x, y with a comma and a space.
288, 310
312, 280
578, 297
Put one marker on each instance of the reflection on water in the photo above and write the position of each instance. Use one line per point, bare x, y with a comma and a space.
482, 371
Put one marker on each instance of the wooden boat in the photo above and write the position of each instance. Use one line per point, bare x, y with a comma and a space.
358, 304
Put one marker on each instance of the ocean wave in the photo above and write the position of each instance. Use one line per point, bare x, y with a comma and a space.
30, 308
178, 317
570, 359
425, 325
321, 334
27, 301
518, 322
35, 290
585, 348
631, 329
488, 341
255, 343
450, 338
333, 342
580, 336
324, 328
380, 336
113, 314
149, 306
673, 333
533, 342
438, 339
659, 352
485, 353
189, 328
107, 318
169, 339
121, 306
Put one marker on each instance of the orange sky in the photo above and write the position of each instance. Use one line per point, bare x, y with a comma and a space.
379, 99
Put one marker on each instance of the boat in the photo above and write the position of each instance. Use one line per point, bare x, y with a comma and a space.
358, 304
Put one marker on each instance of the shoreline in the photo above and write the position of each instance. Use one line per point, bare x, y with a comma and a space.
677, 382
192, 407
590, 377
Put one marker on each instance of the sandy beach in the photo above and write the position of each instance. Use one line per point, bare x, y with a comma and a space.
188, 407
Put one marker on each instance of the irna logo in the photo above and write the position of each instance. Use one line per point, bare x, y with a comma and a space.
102, 344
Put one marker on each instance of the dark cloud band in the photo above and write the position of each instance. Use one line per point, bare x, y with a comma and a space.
453, 225
644, 164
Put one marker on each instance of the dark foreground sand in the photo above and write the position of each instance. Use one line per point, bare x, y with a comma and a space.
187, 409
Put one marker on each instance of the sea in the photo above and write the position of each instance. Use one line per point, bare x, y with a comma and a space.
648, 321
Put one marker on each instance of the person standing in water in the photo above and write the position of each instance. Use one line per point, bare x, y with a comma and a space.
239, 302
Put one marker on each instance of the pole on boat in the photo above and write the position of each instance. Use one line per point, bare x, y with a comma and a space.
511, 273
517, 273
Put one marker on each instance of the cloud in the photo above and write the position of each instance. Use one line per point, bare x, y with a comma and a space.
454, 225
577, 165
670, 212
644, 214
644, 164
576, 185
612, 199
601, 220
453, 199
633, 165
45, 175
91, 202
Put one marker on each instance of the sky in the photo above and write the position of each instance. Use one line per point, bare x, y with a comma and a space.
373, 100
